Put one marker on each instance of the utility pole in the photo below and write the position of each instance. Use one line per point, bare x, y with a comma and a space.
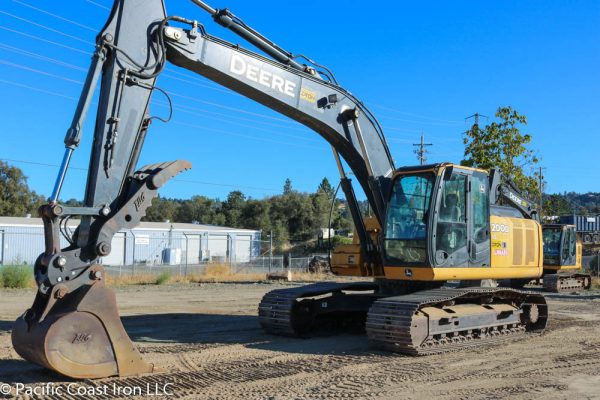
422, 150
476, 117
541, 188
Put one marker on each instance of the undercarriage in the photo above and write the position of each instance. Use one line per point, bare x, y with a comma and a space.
418, 323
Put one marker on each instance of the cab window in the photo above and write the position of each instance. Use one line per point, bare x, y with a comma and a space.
451, 230
406, 220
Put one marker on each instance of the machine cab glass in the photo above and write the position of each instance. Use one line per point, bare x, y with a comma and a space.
438, 218
407, 216
560, 245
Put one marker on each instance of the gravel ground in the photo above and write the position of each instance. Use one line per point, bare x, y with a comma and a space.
208, 343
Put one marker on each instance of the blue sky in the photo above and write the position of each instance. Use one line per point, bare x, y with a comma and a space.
420, 66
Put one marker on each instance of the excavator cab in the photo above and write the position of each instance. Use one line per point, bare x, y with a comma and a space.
561, 248
563, 259
438, 216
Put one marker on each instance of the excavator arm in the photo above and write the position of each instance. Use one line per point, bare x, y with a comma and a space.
503, 191
73, 326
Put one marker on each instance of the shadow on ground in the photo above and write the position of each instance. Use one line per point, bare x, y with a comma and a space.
239, 329
21, 371
6, 326
188, 328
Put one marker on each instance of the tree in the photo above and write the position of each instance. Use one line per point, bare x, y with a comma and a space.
321, 201
287, 187
325, 187
556, 205
162, 210
502, 145
255, 215
201, 209
232, 208
16, 199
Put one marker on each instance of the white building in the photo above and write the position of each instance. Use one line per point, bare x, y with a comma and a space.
151, 243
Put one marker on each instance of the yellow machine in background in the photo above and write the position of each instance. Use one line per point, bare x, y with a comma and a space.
563, 259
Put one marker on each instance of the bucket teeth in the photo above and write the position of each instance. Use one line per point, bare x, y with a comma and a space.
81, 336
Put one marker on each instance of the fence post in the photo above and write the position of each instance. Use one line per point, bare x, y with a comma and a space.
270, 250
186, 252
133, 261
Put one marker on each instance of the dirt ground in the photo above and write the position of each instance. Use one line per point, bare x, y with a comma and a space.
207, 340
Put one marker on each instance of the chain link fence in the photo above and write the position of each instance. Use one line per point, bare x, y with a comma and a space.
177, 253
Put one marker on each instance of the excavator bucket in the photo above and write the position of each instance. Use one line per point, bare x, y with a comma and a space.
78, 334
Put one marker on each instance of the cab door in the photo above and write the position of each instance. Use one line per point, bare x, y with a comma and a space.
568, 246
461, 223
479, 221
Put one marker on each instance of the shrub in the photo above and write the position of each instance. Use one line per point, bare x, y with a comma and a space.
16, 276
162, 278
337, 240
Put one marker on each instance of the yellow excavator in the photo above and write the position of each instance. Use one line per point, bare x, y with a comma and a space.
563, 260
431, 224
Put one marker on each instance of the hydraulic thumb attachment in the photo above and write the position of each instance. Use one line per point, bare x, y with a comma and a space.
73, 326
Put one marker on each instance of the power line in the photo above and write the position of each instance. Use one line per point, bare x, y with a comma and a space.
48, 59
26, 68
174, 122
245, 136
174, 179
186, 109
179, 108
415, 115
98, 5
43, 40
44, 27
199, 82
416, 122
171, 93
207, 84
41, 57
56, 16
38, 89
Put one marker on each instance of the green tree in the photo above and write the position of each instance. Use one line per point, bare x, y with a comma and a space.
325, 187
163, 209
287, 186
281, 236
295, 212
321, 201
555, 204
501, 144
255, 215
201, 209
16, 199
232, 208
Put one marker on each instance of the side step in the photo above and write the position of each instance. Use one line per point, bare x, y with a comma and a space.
447, 319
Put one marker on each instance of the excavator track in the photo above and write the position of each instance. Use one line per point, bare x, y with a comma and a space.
447, 319
293, 311
567, 282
